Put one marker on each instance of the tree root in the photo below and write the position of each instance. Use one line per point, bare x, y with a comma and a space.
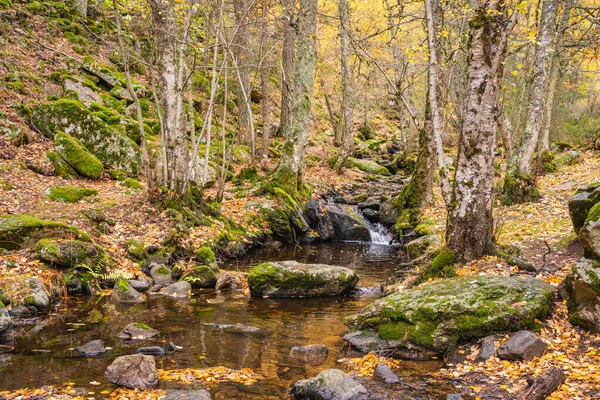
492, 250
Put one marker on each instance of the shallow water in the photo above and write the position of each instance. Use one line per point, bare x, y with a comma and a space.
42, 356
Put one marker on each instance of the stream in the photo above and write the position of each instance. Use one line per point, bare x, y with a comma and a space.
44, 355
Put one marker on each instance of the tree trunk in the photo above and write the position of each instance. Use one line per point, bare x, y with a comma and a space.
345, 120
264, 83
288, 60
240, 48
289, 170
469, 226
518, 184
171, 94
507, 134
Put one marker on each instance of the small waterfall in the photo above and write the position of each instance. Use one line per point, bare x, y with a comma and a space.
379, 235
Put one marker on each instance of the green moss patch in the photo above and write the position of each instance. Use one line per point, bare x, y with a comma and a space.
69, 194
21, 230
77, 156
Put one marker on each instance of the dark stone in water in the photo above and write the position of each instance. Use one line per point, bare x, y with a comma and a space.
385, 374
140, 284
313, 354
91, 349
137, 331
179, 290
235, 328
370, 204
151, 351
331, 384
371, 215
188, 395
21, 311
135, 371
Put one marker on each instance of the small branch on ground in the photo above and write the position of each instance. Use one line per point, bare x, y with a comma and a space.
523, 265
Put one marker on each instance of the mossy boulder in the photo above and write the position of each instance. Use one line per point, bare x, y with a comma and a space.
206, 256
279, 223
77, 156
421, 246
21, 230
69, 253
347, 224
61, 167
583, 287
70, 116
140, 250
367, 166
581, 203
107, 76
69, 194
15, 135
124, 293
292, 209
568, 158
294, 279
589, 234
434, 318
202, 276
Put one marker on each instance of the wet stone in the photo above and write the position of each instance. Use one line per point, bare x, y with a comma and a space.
133, 371
188, 395
151, 351
331, 384
137, 331
91, 349
313, 354
384, 373
523, 345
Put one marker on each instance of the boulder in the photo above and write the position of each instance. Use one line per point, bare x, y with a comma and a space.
13, 133
36, 294
180, 290
206, 256
124, 293
435, 317
331, 384
85, 94
522, 346
188, 395
115, 151
292, 209
201, 276
369, 204
91, 349
319, 220
7, 337
69, 253
570, 157
77, 156
279, 223
347, 224
141, 284
368, 166
104, 74
313, 354
589, 234
581, 203
487, 349
223, 280
294, 279
422, 245
582, 285
137, 331
61, 167
388, 214
68, 194
371, 215
161, 275
385, 374
151, 351
19, 230
135, 371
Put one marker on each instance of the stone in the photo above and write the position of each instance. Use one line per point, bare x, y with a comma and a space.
435, 317
21, 231
202, 276
68, 193
180, 290
347, 224
422, 245
388, 214
582, 286
7, 336
384, 373
313, 354
124, 293
279, 223
331, 384
114, 150
85, 94
36, 294
188, 395
140, 284
522, 346
570, 157
368, 166
581, 203
137, 331
104, 74
77, 156
151, 351
235, 328
369, 204
454, 396
589, 234
319, 220
223, 280
371, 215
69, 253
121, 93
294, 279
487, 349
161, 275
61, 166
292, 209
13, 133
135, 371
91, 349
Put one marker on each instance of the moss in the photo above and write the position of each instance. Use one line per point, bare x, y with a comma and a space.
2, 304
19, 229
246, 174
61, 167
78, 156
205, 255
519, 188
593, 214
440, 267
202, 276
423, 229
132, 184
163, 270
367, 166
122, 286
69, 194
142, 326
117, 174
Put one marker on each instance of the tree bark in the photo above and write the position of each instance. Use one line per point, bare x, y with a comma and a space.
469, 226
545, 384
345, 119
289, 170
171, 93
264, 83
240, 48
288, 60
82, 6
518, 184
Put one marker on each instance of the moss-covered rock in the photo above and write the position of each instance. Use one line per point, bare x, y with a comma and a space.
132, 184
292, 209
367, 166
61, 167
69, 194
124, 293
13, 133
77, 156
70, 116
202, 276
583, 287
69, 253
422, 245
436, 317
347, 224
519, 188
279, 224
140, 250
568, 158
107, 76
581, 203
294, 279
21, 230
589, 233
206, 256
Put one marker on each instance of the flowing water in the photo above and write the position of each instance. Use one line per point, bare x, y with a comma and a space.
43, 356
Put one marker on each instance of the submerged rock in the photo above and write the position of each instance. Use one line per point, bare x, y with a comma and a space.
235, 328
313, 354
137, 331
294, 279
434, 317
331, 384
91, 349
151, 351
133, 371
522, 346
347, 224
582, 285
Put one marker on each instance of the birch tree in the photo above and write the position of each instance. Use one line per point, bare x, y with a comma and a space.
241, 47
288, 59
